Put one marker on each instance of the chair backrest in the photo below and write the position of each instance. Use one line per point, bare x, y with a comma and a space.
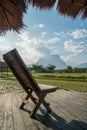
20, 70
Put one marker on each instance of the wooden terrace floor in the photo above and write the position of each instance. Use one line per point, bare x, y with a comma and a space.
69, 112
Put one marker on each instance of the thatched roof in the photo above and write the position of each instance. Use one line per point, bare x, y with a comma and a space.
11, 11
73, 8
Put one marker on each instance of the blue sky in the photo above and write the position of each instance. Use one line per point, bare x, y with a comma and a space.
48, 33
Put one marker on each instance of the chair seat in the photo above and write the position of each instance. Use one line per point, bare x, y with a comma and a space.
49, 90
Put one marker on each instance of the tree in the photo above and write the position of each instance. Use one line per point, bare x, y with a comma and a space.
69, 69
80, 70
50, 68
37, 67
41, 69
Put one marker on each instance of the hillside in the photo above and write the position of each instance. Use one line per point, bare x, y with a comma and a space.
82, 65
54, 60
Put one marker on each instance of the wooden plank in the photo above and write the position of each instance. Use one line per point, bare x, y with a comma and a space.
71, 102
17, 117
50, 121
67, 112
78, 110
30, 123
61, 118
79, 96
8, 123
74, 100
1, 112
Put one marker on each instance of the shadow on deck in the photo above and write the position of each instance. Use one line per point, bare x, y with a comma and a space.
69, 112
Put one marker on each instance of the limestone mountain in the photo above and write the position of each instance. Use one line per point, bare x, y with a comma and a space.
54, 60
82, 65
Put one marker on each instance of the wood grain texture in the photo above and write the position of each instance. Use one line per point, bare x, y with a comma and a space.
69, 112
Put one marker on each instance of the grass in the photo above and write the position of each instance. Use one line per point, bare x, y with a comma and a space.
69, 85
63, 76
71, 81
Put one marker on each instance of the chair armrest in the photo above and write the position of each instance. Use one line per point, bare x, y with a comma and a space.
49, 90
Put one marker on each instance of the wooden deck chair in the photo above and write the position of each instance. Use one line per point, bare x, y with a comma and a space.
23, 75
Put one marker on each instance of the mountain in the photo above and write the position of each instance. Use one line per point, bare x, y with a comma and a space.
54, 60
82, 65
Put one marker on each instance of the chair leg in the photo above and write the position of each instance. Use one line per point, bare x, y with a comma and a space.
46, 105
37, 105
26, 98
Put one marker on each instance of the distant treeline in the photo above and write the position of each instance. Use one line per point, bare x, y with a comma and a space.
52, 68
69, 69
41, 69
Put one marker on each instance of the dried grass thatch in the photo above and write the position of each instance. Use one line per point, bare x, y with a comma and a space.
11, 11
72, 8
42, 4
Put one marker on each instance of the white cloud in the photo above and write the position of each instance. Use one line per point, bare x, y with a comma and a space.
39, 26
59, 33
43, 34
73, 47
32, 48
79, 33
68, 59
53, 40
43, 50
4, 46
2, 39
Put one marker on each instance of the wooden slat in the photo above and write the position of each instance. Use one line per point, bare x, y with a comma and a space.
18, 121
1, 112
8, 123
30, 124
66, 114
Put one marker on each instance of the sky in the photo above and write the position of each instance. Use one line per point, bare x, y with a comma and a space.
48, 33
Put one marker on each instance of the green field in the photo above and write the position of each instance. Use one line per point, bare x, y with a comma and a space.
68, 81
